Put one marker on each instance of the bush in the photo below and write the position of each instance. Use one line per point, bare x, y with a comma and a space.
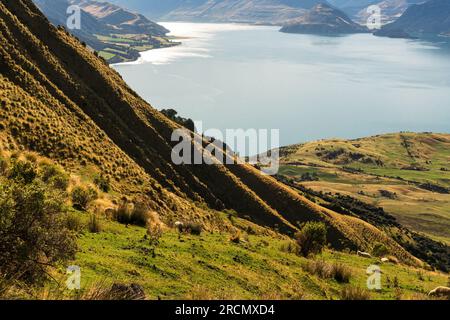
3, 166
341, 273
290, 247
194, 228
94, 224
324, 270
139, 215
82, 197
22, 171
54, 176
102, 183
74, 222
33, 233
380, 250
354, 293
122, 214
312, 238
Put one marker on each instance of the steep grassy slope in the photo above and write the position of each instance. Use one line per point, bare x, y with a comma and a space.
62, 101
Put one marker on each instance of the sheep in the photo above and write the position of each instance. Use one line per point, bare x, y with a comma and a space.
364, 254
440, 291
179, 225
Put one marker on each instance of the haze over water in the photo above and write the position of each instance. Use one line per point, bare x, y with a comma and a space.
309, 87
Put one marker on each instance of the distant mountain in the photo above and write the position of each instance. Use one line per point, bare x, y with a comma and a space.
352, 7
432, 17
249, 11
115, 32
324, 19
120, 19
390, 9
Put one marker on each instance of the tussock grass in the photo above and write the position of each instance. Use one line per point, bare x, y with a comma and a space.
355, 293
337, 271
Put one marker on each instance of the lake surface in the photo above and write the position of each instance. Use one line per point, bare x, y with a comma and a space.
309, 87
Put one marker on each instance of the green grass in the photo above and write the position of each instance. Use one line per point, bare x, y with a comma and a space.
210, 266
416, 208
106, 55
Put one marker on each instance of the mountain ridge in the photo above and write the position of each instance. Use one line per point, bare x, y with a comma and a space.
273, 12
431, 17
323, 19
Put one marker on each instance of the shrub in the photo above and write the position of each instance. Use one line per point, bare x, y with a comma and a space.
154, 233
380, 250
354, 293
194, 228
341, 273
94, 224
337, 271
82, 197
122, 214
74, 222
236, 237
51, 174
139, 215
22, 171
290, 247
33, 233
102, 183
3, 166
312, 238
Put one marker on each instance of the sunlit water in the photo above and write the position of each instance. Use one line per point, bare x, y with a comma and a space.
309, 87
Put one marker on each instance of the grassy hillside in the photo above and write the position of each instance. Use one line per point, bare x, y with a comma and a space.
407, 174
62, 102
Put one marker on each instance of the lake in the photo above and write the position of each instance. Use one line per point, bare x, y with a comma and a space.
309, 87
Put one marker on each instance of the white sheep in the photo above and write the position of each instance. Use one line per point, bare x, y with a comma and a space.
364, 254
440, 291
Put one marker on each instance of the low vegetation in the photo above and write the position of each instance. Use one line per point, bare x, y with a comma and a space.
311, 239
33, 230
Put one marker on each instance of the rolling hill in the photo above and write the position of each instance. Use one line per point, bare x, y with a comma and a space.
405, 173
